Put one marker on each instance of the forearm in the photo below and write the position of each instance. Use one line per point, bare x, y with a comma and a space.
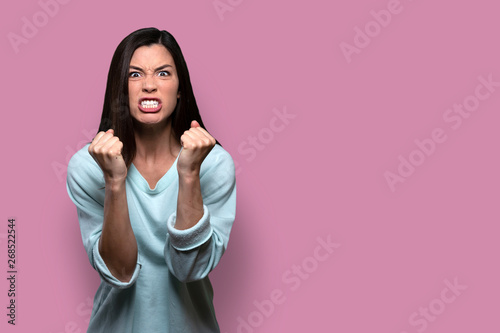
117, 245
189, 201
192, 254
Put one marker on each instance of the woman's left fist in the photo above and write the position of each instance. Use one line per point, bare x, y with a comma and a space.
196, 144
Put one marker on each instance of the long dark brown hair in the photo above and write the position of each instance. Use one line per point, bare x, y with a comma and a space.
116, 111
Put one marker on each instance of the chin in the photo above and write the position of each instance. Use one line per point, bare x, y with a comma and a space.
150, 120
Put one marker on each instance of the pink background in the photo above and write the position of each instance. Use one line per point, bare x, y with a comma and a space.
321, 173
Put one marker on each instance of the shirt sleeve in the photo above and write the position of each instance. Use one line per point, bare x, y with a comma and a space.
85, 186
193, 253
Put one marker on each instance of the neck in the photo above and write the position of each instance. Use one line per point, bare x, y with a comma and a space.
155, 142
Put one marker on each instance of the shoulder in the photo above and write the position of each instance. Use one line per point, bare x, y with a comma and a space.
217, 173
218, 161
83, 170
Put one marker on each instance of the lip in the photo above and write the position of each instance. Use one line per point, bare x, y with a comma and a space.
149, 110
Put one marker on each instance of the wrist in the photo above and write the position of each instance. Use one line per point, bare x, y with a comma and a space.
114, 185
189, 177
188, 173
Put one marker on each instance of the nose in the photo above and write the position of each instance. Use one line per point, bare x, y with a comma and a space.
149, 84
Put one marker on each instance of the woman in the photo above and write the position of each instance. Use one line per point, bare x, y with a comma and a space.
155, 195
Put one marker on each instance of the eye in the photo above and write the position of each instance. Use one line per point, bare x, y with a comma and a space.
163, 73
134, 74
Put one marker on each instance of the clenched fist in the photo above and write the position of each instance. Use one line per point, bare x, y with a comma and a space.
196, 144
106, 149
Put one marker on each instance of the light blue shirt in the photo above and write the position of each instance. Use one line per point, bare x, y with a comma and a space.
170, 290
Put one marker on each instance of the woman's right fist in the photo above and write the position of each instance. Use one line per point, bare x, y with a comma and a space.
106, 149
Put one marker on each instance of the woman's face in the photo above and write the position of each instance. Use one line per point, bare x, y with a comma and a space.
153, 85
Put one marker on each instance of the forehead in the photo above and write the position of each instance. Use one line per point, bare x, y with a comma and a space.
151, 56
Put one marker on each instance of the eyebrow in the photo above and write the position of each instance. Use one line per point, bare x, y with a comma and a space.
157, 69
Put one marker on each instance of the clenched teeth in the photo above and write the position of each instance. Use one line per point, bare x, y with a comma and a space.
149, 104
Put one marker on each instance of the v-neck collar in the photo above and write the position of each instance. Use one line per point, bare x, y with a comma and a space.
162, 183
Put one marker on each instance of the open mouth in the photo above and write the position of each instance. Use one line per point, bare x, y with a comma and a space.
149, 104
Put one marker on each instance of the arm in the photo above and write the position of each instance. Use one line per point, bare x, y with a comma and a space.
117, 244
192, 252
189, 202
197, 144
86, 188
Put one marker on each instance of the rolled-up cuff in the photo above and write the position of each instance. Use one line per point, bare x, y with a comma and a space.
188, 239
106, 275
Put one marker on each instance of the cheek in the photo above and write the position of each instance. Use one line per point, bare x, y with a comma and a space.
132, 88
132, 104
171, 90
